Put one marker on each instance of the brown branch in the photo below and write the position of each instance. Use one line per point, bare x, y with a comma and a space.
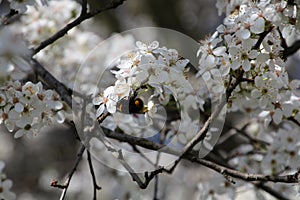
142, 184
294, 178
192, 156
288, 50
262, 37
82, 17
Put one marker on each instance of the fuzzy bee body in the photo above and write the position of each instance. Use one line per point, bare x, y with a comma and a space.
131, 105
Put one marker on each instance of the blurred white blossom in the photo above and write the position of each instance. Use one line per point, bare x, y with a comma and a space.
5, 185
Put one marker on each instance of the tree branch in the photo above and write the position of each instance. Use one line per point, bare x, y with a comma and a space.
291, 50
65, 186
192, 156
95, 185
294, 178
84, 15
271, 191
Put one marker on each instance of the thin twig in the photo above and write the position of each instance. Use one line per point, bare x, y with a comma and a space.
142, 154
294, 120
271, 191
156, 188
95, 185
293, 178
250, 138
67, 182
156, 178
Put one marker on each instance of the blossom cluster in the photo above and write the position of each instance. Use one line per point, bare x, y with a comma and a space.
159, 76
281, 13
143, 68
247, 49
249, 43
28, 108
5, 185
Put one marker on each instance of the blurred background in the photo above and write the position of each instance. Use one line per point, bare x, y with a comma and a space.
193, 18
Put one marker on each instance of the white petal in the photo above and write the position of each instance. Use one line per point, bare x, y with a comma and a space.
19, 107
259, 82
7, 184
287, 110
97, 100
153, 45
263, 114
60, 117
243, 34
225, 70
253, 54
255, 93
219, 51
141, 45
258, 26
217, 89
163, 76
235, 64
234, 51
182, 63
294, 84
100, 110
262, 57
277, 116
108, 91
111, 107
19, 133
210, 61
182, 139
206, 76
246, 65
263, 102
142, 75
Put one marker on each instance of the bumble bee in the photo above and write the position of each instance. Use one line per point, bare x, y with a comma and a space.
132, 105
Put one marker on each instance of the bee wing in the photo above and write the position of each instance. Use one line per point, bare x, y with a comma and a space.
123, 105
